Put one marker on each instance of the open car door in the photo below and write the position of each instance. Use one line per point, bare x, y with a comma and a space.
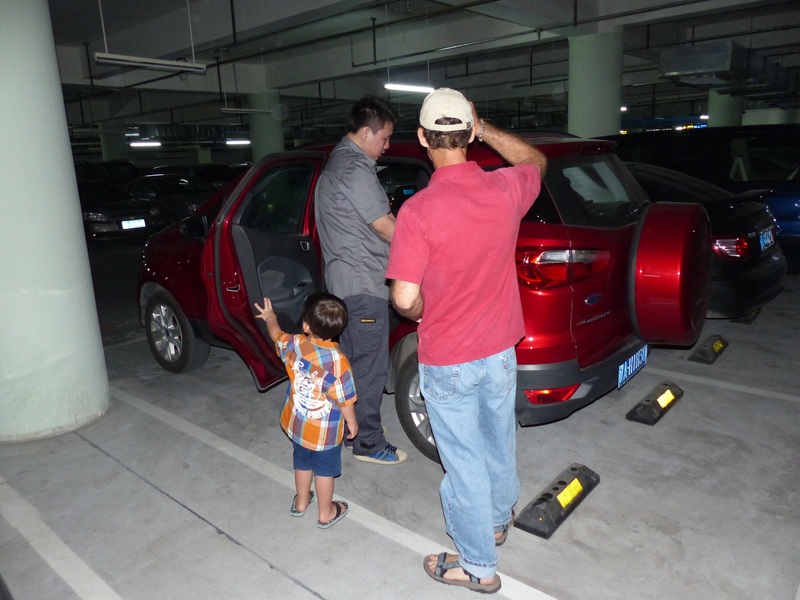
263, 244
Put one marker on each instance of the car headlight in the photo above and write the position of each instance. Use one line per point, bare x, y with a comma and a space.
95, 216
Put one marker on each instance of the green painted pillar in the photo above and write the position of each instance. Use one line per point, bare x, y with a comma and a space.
52, 370
724, 109
113, 142
595, 84
266, 130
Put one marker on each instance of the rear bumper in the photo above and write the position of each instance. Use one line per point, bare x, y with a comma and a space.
746, 291
595, 381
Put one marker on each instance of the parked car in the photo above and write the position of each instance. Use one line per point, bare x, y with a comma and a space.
737, 159
602, 273
217, 174
112, 213
182, 193
747, 266
118, 172
240, 168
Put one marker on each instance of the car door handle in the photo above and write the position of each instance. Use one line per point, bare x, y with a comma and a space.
305, 245
234, 289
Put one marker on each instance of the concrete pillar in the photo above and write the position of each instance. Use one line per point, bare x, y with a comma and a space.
266, 130
767, 116
113, 143
52, 370
595, 84
724, 109
201, 154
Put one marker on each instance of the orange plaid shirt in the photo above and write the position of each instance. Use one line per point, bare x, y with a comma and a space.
320, 381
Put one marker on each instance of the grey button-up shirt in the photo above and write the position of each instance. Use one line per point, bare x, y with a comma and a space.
347, 199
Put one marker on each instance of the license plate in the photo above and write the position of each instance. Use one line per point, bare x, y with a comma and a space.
133, 224
766, 239
631, 366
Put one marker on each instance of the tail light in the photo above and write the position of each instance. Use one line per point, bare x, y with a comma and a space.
732, 248
551, 396
539, 269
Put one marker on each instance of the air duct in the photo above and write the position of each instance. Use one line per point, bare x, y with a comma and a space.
727, 67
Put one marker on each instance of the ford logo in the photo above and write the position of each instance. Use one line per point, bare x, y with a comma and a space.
593, 299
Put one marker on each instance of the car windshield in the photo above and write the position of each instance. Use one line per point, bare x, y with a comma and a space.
593, 191
100, 191
184, 185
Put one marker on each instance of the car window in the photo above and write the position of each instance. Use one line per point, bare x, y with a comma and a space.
401, 179
276, 202
593, 191
672, 186
764, 157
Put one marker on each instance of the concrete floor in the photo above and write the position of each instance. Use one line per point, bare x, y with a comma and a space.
182, 489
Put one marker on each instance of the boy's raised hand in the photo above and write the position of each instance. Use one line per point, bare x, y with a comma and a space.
265, 311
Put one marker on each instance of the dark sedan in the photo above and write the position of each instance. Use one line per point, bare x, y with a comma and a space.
112, 213
747, 266
182, 193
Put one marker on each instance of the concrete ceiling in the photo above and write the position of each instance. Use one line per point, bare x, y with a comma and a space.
510, 56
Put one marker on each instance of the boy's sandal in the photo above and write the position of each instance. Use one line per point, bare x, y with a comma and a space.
341, 510
299, 513
499, 541
474, 583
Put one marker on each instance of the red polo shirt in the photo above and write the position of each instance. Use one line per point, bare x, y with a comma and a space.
456, 239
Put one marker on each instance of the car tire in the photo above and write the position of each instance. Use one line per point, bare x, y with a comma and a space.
670, 273
411, 409
170, 336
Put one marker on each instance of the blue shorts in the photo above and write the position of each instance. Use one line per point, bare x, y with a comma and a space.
324, 463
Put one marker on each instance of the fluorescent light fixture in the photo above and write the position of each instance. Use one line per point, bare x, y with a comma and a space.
399, 87
121, 60
245, 111
237, 142
146, 144
704, 117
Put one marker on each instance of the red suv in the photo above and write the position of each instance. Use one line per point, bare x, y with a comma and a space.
602, 273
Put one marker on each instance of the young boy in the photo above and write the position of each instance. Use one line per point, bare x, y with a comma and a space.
319, 400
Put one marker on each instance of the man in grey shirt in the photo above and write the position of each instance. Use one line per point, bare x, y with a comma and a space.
355, 229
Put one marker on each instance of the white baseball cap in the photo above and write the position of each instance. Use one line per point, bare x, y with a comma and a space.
445, 102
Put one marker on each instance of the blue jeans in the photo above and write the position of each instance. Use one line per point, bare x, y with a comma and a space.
471, 411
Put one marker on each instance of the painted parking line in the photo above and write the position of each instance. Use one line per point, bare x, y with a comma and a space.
23, 517
716, 383
512, 588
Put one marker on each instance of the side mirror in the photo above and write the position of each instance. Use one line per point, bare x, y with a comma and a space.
194, 227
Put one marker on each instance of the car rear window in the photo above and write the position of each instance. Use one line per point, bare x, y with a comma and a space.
590, 191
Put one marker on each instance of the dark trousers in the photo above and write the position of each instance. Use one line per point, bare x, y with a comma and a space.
365, 343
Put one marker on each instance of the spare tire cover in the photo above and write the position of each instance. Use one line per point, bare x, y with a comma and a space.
669, 283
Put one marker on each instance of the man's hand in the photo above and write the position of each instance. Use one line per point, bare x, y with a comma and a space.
384, 226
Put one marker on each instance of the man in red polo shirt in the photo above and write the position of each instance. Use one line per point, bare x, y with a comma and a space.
452, 266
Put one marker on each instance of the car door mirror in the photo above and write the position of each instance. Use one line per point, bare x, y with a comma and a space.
194, 227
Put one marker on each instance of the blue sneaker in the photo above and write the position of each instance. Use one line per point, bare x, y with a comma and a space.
349, 443
390, 455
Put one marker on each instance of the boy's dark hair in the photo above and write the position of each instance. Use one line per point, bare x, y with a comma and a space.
325, 314
447, 140
371, 112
